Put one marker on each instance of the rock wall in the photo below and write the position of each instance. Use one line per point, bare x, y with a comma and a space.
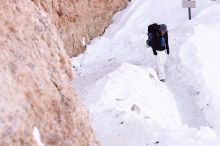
79, 21
35, 91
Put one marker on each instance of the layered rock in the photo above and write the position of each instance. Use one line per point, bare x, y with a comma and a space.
79, 21
35, 90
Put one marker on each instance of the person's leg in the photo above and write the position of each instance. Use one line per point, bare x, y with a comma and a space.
160, 61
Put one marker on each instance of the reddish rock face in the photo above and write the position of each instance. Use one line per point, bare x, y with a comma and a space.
35, 75
80, 20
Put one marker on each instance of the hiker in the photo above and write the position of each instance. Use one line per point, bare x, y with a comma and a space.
160, 47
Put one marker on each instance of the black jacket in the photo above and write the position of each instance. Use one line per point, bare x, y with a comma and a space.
156, 43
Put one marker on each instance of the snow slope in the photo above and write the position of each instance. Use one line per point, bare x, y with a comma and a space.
204, 44
128, 105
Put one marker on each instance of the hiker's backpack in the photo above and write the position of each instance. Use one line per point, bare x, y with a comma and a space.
152, 30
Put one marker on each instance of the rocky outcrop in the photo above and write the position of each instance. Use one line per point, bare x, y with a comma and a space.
79, 21
35, 92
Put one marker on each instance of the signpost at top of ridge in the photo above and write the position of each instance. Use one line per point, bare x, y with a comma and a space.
189, 4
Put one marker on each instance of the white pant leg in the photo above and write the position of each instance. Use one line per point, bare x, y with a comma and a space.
160, 61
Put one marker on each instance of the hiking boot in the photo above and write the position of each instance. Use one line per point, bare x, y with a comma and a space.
162, 80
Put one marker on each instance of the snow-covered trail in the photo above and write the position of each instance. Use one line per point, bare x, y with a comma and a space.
131, 25
116, 72
182, 83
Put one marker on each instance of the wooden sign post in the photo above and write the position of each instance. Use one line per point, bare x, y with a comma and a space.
189, 4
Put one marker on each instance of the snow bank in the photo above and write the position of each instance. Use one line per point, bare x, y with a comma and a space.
204, 63
156, 120
203, 47
113, 97
129, 85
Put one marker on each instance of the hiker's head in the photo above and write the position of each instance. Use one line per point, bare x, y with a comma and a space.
163, 28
